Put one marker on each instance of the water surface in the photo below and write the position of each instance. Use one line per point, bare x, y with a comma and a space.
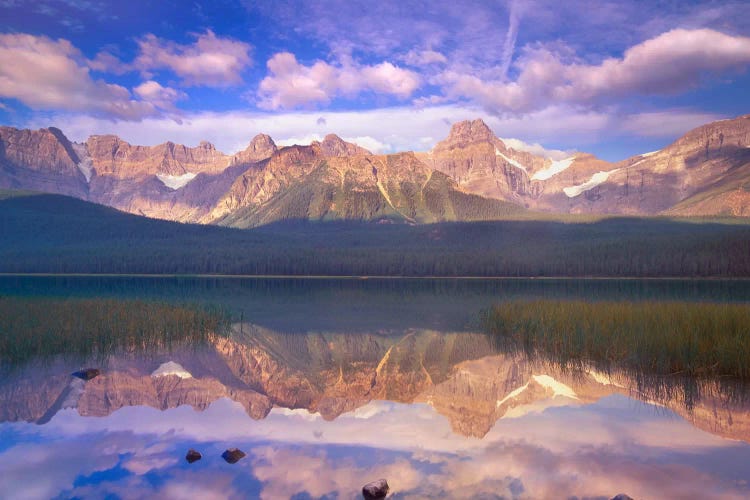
329, 384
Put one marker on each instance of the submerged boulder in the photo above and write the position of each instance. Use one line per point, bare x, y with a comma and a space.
87, 373
232, 455
375, 490
193, 456
621, 496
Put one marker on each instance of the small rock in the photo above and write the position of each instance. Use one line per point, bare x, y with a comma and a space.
87, 373
193, 456
376, 489
232, 455
622, 496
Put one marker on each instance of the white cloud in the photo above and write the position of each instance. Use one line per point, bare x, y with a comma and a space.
231, 131
669, 63
210, 61
291, 84
666, 123
51, 74
424, 57
105, 62
537, 149
161, 97
369, 143
299, 141
408, 128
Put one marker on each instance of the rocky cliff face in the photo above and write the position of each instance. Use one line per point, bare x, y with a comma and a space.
482, 164
705, 172
471, 156
45, 149
471, 175
333, 145
40, 160
111, 156
319, 182
260, 148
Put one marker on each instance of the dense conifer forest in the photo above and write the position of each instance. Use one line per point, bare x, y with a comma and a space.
55, 234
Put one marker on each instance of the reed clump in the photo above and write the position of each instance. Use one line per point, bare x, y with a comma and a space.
39, 327
655, 338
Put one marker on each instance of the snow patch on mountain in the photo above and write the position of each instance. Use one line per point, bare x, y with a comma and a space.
84, 164
176, 182
536, 149
555, 168
510, 160
596, 179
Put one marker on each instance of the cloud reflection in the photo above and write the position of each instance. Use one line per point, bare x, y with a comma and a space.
592, 450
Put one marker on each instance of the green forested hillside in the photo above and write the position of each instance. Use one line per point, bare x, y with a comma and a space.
56, 234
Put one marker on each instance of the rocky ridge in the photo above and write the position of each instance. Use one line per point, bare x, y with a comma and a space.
470, 175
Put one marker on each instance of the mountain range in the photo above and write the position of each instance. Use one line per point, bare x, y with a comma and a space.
471, 175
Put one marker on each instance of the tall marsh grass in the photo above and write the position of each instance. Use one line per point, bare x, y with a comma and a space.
39, 327
696, 340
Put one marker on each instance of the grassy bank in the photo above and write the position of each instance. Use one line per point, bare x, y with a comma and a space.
39, 327
703, 340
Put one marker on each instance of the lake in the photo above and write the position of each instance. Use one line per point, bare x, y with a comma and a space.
328, 384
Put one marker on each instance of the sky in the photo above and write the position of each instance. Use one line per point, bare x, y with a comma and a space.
613, 77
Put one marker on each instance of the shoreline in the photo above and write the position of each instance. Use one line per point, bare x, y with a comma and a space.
376, 277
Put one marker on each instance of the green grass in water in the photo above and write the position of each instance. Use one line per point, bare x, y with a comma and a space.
41, 327
703, 340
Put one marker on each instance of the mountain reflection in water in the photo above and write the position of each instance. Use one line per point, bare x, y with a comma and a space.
439, 412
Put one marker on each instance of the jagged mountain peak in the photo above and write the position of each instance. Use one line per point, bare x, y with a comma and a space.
705, 172
333, 145
470, 131
261, 141
261, 147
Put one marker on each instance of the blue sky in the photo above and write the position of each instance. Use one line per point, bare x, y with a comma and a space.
615, 78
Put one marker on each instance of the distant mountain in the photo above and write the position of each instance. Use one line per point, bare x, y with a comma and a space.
471, 175
705, 172
304, 182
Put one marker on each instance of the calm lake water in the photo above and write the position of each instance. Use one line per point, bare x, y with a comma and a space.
329, 384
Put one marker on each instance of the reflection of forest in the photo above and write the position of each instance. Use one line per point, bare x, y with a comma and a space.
459, 374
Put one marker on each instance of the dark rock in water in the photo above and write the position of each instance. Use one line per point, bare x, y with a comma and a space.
193, 456
621, 496
376, 489
232, 455
87, 373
